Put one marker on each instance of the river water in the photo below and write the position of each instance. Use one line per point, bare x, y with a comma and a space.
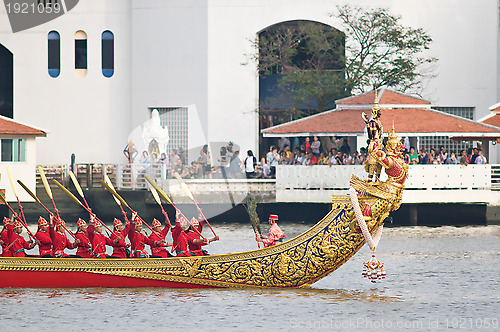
437, 278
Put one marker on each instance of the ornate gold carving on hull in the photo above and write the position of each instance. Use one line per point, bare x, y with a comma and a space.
298, 262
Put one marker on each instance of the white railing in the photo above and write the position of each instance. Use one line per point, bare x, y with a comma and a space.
131, 176
425, 184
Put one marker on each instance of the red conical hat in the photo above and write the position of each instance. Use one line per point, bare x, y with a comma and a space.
18, 224
156, 223
117, 222
81, 222
42, 221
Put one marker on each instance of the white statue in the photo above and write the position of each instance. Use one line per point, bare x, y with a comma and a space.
154, 136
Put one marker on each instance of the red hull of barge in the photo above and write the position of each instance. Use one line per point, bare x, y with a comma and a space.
44, 279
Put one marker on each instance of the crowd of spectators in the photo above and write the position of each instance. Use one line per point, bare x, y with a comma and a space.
311, 153
433, 157
306, 152
229, 164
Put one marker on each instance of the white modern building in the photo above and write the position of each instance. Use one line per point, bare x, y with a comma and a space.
92, 75
18, 143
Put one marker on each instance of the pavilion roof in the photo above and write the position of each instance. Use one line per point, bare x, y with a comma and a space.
417, 119
9, 127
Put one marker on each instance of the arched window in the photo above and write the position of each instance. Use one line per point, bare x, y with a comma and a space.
108, 53
54, 53
6, 82
80, 53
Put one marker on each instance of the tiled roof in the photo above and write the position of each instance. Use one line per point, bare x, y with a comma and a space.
493, 120
495, 108
385, 96
13, 128
417, 121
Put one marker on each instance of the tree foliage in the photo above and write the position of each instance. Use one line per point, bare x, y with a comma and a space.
380, 51
308, 57
318, 64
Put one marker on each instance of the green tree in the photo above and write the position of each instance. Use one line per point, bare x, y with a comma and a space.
318, 64
308, 58
380, 51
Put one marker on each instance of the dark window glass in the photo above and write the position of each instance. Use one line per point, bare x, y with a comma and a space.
108, 54
80, 53
54, 54
6, 149
6, 82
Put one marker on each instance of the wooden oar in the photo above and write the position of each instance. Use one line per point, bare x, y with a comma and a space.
108, 181
10, 245
23, 221
39, 202
165, 196
251, 207
77, 201
47, 189
157, 199
115, 194
78, 187
17, 217
188, 192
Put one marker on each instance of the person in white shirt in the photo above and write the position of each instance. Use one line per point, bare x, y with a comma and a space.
250, 162
480, 159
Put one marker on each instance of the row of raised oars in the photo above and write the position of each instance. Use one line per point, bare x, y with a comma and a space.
155, 190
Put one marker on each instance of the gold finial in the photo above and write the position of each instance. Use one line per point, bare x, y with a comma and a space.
376, 106
393, 140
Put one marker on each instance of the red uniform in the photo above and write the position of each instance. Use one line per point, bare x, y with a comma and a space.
99, 242
45, 246
120, 247
5, 243
59, 242
19, 243
138, 243
159, 250
84, 248
195, 248
180, 241
275, 236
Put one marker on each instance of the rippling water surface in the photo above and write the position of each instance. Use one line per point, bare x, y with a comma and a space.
437, 278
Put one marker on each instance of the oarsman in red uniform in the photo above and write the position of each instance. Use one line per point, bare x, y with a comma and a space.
120, 247
59, 239
179, 237
84, 247
98, 240
159, 248
4, 239
138, 240
275, 236
18, 242
43, 238
194, 239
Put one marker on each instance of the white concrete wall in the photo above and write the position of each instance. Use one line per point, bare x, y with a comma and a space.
87, 116
23, 170
189, 52
465, 38
169, 56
